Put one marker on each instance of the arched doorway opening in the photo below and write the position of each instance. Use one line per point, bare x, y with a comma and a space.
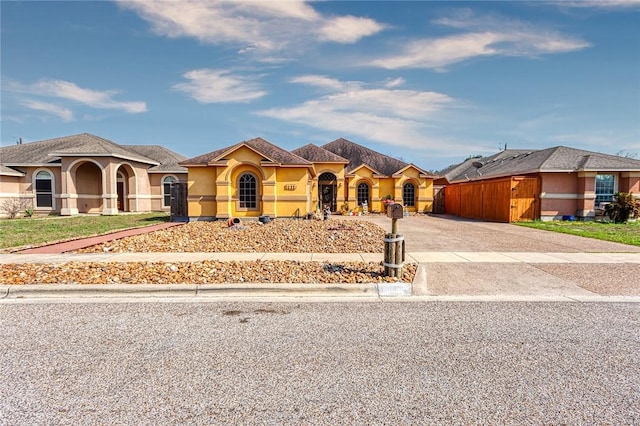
328, 191
121, 189
88, 181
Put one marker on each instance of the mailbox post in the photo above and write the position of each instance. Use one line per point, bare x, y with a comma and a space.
394, 243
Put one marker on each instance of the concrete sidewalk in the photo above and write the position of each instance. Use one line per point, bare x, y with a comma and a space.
480, 276
411, 257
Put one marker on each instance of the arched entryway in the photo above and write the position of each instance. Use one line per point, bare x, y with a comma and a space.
121, 189
88, 182
328, 191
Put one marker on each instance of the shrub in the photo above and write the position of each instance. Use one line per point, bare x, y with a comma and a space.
15, 205
623, 207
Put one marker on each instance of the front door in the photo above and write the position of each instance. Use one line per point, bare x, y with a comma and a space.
327, 191
120, 186
328, 196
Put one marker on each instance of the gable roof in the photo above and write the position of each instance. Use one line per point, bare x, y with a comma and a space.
366, 166
270, 151
411, 165
8, 171
52, 150
520, 162
168, 159
358, 155
315, 154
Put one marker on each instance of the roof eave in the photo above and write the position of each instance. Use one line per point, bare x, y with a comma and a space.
32, 164
88, 154
238, 146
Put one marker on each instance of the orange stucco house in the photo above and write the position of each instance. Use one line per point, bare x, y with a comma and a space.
257, 178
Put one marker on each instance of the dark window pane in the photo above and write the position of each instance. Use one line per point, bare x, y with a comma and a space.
44, 200
43, 185
409, 195
363, 193
247, 191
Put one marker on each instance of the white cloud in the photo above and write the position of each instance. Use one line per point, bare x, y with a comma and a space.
348, 29
70, 91
325, 82
64, 113
219, 86
395, 117
601, 4
395, 82
485, 36
260, 26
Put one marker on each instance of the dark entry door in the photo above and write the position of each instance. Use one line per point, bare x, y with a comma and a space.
328, 196
120, 186
327, 191
179, 206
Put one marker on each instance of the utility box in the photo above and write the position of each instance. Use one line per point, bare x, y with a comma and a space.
395, 211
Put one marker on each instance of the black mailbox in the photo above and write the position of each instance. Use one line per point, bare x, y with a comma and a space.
395, 211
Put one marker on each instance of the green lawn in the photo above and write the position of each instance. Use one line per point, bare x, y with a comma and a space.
30, 231
620, 233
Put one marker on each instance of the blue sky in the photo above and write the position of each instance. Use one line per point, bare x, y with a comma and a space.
428, 82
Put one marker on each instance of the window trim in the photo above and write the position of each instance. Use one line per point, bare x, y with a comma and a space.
368, 186
239, 206
607, 194
413, 190
35, 191
167, 194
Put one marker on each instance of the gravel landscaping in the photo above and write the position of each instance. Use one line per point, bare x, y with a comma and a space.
204, 272
278, 236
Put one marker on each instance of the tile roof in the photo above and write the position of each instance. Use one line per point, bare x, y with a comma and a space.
8, 171
265, 148
168, 159
358, 155
315, 154
51, 150
517, 162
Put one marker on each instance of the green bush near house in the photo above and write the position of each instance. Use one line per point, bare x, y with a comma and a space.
625, 233
623, 207
21, 232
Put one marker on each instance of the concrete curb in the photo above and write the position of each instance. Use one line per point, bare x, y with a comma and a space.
203, 290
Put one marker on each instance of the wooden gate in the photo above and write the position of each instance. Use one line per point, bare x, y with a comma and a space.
179, 207
438, 200
524, 194
510, 199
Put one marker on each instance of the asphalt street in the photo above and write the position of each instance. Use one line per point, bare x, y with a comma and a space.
320, 363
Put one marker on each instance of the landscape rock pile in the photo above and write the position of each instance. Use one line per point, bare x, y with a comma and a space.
204, 272
277, 236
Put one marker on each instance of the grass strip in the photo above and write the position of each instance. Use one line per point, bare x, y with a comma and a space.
625, 233
34, 231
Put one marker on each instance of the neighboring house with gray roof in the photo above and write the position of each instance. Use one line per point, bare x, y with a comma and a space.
542, 184
85, 173
257, 178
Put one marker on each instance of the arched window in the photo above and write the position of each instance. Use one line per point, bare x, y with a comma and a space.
409, 195
166, 190
44, 189
248, 188
363, 193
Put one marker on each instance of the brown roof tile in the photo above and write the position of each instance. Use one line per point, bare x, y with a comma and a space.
266, 148
358, 155
315, 154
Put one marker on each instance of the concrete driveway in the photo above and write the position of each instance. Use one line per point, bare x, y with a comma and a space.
527, 262
444, 233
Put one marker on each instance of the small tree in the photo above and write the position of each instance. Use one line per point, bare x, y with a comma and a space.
623, 207
15, 205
